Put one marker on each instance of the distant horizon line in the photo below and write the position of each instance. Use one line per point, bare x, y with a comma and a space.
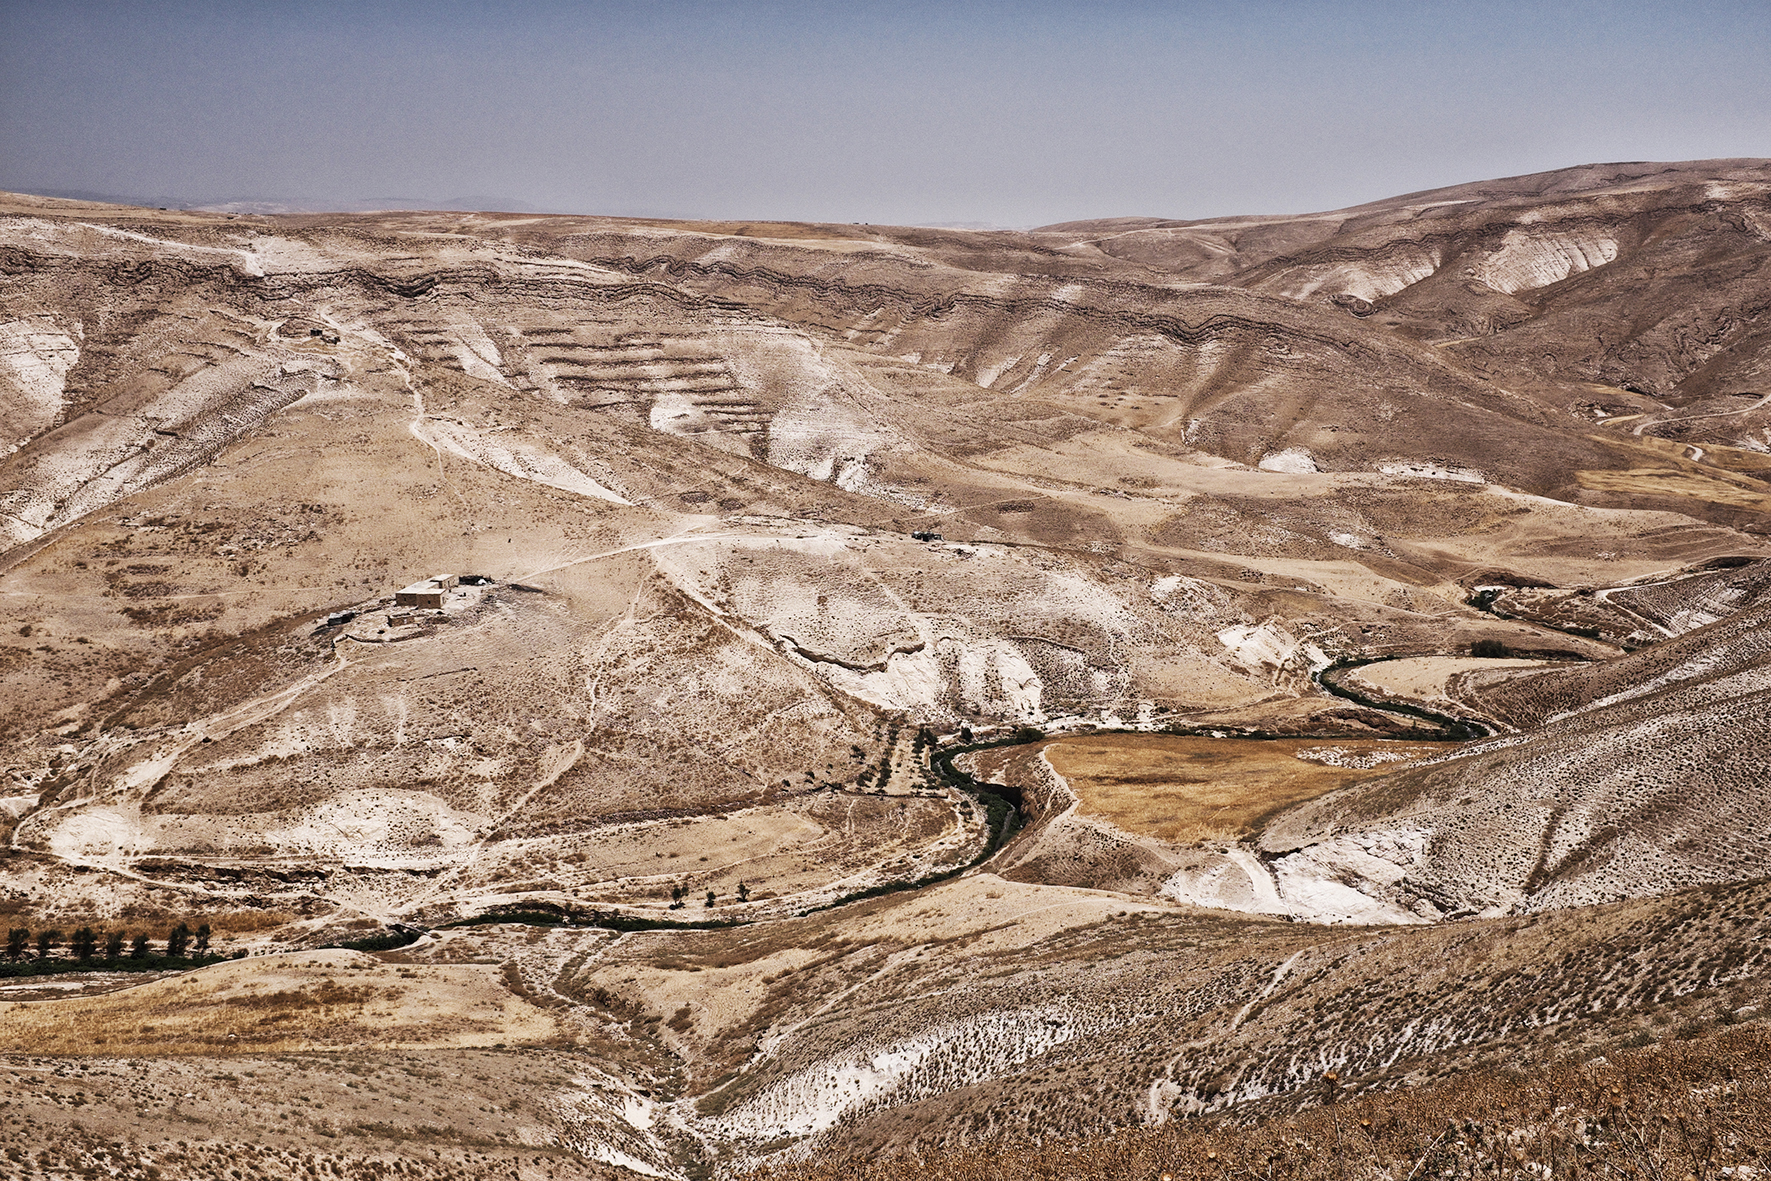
270, 207
484, 203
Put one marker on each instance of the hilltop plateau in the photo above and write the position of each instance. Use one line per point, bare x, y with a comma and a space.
739, 692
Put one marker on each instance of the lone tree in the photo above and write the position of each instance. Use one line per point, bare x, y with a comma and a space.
677, 893
46, 941
202, 943
84, 943
17, 939
710, 898
178, 941
140, 947
114, 945
743, 892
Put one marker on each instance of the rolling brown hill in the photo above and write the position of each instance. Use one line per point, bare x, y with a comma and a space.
1341, 592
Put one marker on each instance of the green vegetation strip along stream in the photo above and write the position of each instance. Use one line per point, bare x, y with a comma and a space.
1002, 813
1449, 729
59, 966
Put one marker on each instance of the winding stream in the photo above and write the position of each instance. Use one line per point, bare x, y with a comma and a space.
1451, 729
1004, 808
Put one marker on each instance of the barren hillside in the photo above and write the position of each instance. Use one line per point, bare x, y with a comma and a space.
883, 686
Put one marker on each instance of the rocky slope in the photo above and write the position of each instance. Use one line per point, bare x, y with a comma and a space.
753, 520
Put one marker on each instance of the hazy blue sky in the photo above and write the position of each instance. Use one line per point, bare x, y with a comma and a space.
1015, 114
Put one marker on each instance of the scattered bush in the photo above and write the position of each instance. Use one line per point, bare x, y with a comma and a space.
385, 941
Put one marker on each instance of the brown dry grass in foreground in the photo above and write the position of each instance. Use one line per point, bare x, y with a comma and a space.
1680, 1112
1187, 789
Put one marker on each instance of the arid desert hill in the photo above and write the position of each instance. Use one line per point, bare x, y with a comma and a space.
865, 658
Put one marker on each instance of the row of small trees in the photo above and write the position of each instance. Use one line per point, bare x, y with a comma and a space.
88, 944
678, 892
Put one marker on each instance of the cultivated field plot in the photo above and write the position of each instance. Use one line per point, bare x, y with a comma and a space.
1187, 789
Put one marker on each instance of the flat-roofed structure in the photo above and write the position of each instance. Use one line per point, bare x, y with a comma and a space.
429, 593
421, 594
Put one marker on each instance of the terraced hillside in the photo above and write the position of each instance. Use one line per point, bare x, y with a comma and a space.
884, 686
